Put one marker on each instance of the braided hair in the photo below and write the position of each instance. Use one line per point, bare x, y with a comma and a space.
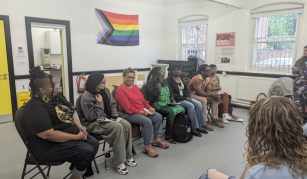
154, 74
152, 84
38, 79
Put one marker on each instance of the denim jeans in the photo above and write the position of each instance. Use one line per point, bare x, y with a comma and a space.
194, 111
151, 125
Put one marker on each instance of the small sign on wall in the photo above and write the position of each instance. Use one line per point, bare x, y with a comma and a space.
225, 47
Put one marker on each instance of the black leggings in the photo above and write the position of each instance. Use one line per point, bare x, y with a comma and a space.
80, 153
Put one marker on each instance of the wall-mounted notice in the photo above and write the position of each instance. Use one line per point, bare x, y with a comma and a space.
225, 47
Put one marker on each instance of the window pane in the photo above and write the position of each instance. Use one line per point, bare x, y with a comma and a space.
193, 41
274, 44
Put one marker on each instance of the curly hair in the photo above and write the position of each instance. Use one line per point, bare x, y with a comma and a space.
275, 135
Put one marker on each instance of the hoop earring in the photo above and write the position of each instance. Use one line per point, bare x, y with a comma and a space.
45, 99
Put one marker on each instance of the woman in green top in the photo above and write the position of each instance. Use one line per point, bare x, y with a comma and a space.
160, 97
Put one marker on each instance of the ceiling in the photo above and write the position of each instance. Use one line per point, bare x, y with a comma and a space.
234, 3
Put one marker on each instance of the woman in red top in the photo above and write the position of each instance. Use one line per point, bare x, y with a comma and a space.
138, 111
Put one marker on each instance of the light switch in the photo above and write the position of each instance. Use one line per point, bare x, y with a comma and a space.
20, 51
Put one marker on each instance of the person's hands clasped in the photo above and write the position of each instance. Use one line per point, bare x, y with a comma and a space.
152, 110
83, 129
146, 113
217, 97
81, 136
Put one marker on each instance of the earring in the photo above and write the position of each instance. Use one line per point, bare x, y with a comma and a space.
45, 99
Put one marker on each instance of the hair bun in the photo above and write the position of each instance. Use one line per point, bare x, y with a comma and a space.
36, 72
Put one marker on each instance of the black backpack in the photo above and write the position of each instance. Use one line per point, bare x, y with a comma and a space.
182, 129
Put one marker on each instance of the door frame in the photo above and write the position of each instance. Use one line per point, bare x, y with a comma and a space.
65, 23
10, 62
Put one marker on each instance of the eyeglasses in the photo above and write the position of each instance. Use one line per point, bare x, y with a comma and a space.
130, 77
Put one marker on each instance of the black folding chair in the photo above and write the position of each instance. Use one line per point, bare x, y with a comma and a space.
106, 153
30, 157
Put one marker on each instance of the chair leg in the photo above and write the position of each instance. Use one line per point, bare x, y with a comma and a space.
41, 171
96, 166
48, 171
24, 170
104, 145
67, 175
133, 150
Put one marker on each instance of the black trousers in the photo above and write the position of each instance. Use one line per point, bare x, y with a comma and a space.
80, 153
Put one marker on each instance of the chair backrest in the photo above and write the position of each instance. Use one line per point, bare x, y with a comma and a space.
79, 109
19, 126
143, 90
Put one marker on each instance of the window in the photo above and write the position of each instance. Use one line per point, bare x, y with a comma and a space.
193, 39
274, 41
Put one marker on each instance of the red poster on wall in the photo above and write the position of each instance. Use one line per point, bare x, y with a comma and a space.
225, 39
225, 47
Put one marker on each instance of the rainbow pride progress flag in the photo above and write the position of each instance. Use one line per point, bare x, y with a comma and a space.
117, 29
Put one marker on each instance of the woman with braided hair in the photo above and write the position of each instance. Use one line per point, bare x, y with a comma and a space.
160, 97
53, 127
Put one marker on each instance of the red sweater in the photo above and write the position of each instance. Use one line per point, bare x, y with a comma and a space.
131, 100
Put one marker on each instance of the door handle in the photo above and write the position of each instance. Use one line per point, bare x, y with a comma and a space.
3, 76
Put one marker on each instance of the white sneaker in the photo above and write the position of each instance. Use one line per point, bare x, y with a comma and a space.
227, 116
131, 162
224, 118
121, 169
236, 118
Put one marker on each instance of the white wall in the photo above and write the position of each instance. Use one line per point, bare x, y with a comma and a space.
158, 32
227, 19
40, 41
86, 54
171, 48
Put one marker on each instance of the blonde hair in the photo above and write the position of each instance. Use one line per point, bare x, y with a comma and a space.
275, 135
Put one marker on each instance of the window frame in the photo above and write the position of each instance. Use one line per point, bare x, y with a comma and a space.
192, 21
253, 42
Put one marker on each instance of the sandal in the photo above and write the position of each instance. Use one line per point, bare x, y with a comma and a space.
131, 163
121, 169
161, 144
150, 152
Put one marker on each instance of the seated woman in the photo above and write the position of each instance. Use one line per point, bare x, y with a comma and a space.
101, 115
182, 96
138, 111
160, 97
53, 128
276, 147
225, 110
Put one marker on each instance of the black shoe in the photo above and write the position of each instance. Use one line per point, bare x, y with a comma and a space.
89, 172
196, 133
202, 130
